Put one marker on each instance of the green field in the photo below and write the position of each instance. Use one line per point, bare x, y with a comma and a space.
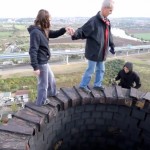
143, 36
5, 34
21, 27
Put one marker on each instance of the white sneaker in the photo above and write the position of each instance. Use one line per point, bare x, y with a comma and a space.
47, 101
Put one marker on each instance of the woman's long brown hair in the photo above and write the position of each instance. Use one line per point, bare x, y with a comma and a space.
43, 21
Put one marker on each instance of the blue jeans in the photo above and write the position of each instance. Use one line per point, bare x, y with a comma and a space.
98, 68
46, 84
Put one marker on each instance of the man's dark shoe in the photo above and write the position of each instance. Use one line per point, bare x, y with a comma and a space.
101, 88
85, 89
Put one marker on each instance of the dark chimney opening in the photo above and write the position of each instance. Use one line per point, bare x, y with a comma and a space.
97, 127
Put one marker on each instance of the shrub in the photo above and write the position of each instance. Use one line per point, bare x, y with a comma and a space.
112, 69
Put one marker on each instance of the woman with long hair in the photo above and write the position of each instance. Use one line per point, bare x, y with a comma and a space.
39, 52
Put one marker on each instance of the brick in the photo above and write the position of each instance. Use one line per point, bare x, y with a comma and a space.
138, 114
25, 130
107, 115
101, 107
108, 91
91, 126
144, 125
43, 110
110, 94
119, 117
133, 122
83, 128
76, 116
60, 115
110, 122
122, 125
119, 92
89, 121
97, 134
124, 110
72, 95
100, 122
112, 108
134, 93
79, 122
140, 103
66, 119
134, 130
57, 125
147, 96
90, 108
69, 112
69, 125
12, 145
86, 115
85, 97
147, 120
99, 97
74, 130
126, 100
55, 103
96, 114
79, 109
64, 100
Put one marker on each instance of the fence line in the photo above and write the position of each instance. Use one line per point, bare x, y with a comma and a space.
120, 51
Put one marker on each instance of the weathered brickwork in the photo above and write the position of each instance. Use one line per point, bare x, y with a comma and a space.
115, 119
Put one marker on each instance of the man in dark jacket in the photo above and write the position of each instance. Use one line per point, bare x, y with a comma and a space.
97, 32
128, 78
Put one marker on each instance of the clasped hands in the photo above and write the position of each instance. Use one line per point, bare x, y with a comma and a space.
70, 31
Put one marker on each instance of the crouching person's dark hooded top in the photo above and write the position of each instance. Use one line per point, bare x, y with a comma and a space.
130, 79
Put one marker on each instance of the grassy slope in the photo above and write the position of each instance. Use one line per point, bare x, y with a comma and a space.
70, 75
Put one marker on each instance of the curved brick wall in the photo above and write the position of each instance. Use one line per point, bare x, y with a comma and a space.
116, 119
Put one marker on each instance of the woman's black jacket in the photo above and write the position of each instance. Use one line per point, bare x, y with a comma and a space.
39, 45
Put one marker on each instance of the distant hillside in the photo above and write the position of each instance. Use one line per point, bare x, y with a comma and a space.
118, 41
124, 42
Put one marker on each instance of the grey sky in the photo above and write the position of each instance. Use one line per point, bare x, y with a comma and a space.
72, 8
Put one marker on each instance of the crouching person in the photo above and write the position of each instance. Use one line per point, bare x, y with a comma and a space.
128, 78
